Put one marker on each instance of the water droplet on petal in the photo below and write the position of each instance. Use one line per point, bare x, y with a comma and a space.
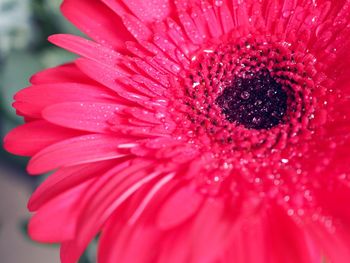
245, 95
286, 13
219, 3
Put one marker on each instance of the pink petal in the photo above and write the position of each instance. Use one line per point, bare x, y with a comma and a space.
86, 48
64, 179
294, 245
64, 73
30, 138
241, 14
153, 69
154, 192
108, 77
145, 116
32, 101
190, 28
333, 234
150, 84
147, 132
174, 248
161, 142
179, 207
335, 246
78, 150
226, 18
209, 230
202, 240
111, 73
139, 31
148, 11
120, 239
97, 21
106, 199
86, 116
242, 248
332, 200
123, 243
177, 35
214, 24
56, 220
135, 87
166, 45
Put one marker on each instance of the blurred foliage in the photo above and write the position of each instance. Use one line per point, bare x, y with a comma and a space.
15, 26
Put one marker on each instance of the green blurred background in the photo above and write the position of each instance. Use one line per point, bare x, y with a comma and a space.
24, 50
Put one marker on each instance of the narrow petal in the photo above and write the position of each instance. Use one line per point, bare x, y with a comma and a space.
86, 48
33, 100
333, 232
104, 202
179, 207
334, 246
65, 179
65, 73
190, 28
124, 243
139, 30
47, 224
152, 193
207, 242
105, 27
78, 150
30, 138
122, 234
148, 11
86, 116
295, 245
175, 248
108, 76
241, 246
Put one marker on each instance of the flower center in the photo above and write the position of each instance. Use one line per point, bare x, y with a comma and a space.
249, 107
256, 101
248, 101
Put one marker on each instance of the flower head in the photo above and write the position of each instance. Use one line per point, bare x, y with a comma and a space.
194, 131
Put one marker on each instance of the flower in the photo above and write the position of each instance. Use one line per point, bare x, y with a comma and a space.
194, 131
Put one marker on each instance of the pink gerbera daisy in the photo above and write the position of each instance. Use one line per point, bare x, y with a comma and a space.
194, 131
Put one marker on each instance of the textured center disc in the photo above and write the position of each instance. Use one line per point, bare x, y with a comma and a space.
256, 101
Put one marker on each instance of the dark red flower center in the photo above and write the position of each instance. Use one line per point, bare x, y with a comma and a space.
256, 101
250, 106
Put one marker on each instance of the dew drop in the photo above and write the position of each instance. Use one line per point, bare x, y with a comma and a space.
195, 84
286, 14
218, 2
245, 95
